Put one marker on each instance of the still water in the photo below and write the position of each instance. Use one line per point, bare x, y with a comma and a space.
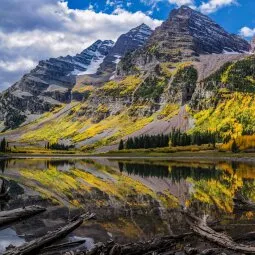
133, 199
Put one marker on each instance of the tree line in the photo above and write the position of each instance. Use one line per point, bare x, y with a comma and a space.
175, 138
145, 141
178, 138
58, 146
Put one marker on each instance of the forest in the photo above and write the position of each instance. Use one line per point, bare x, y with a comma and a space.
175, 138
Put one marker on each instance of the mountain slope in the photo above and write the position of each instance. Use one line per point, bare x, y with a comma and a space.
48, 85
253, 44
184, 35
134, 39
155, 90
59, 80
128, 42
110, 113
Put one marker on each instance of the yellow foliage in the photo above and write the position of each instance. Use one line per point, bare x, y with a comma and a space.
63, 127
169, 111
102, 108
246, 142
123, 87
70, 186
83, 88
230, 117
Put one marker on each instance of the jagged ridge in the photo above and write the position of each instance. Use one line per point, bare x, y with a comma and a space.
128, 42
183, 36
48, 84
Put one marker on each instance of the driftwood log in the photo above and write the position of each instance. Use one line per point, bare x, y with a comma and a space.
49, 238
7, 217
59, 248
201, 228
159, 245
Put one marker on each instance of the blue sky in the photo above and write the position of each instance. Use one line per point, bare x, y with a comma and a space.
32, 30
231, 14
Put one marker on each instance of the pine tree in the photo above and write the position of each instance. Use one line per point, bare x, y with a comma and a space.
234, 147
121, 145
3, 145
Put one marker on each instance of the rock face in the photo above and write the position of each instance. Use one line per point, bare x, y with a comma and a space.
52, 81
133, 40
185, 35
253, 44
49, 84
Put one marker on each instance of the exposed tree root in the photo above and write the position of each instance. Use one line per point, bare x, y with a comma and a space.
201, 228
156, 246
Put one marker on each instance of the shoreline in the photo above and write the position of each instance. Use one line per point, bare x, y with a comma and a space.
179, 156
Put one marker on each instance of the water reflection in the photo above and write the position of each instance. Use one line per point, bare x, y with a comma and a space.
175, 173
133, 199
9, 237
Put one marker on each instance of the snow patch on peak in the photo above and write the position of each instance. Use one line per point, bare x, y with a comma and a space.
93, 66
117, 59
228, 51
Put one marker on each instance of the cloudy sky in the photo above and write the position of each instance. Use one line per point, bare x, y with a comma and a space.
31, 30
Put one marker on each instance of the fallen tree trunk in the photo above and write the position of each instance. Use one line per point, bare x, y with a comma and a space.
35, 245
200, 227
58, 249
158, 245
7, 217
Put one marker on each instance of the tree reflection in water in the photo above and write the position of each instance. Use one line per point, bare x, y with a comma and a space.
175, 173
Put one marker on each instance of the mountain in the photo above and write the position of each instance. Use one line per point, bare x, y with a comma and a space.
253, 44
189, 74
134, 39
185, 35
48, 84
51, 82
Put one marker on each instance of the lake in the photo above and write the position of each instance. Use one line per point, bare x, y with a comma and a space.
134, 199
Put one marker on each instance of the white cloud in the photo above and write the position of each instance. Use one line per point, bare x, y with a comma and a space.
48, 28
214, 5
91, 7
205, 7
110, 3
182, 2
17, 64
247, 32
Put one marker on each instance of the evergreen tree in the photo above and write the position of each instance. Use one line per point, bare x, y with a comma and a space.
3, 145
234, 147
58, 146
121, 145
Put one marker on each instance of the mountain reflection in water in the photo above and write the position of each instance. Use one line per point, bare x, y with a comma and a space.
133, 199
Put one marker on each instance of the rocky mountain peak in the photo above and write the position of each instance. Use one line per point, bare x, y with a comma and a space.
200, 33
140, 33
101, 46
253, 44
132, 40
184, 36
49, 84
